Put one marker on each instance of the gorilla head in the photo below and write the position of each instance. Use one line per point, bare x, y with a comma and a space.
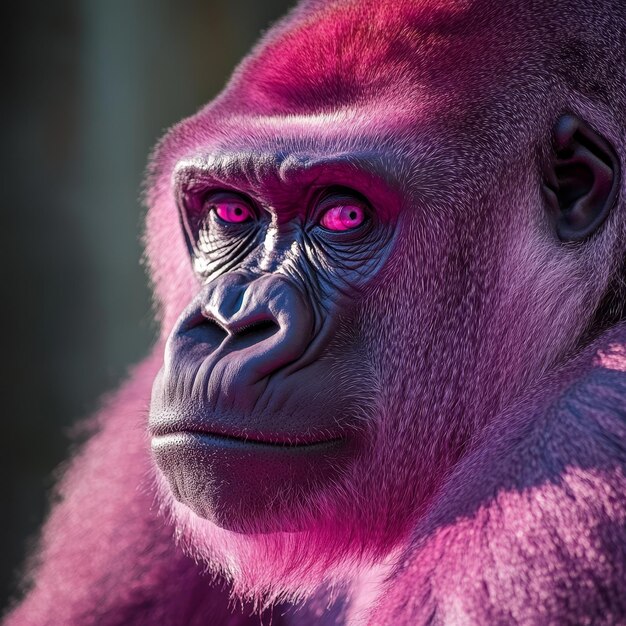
394, 219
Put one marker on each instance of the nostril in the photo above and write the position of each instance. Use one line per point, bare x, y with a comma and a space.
212, 326
210, 332
204, 328
262, 328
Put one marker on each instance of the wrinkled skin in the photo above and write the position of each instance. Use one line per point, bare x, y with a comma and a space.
391, 381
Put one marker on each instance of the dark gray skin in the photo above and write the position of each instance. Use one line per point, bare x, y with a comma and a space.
256, 340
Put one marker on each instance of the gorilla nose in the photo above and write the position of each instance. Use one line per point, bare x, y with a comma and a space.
261, 324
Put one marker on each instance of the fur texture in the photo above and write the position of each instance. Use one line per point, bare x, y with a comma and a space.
493, 491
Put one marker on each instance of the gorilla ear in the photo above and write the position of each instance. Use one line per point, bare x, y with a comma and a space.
582, 179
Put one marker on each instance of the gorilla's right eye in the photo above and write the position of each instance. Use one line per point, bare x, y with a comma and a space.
229, 208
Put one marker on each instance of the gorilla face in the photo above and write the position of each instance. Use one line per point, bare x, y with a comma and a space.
265, 390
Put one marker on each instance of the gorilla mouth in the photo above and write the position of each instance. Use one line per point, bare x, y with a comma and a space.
252, 439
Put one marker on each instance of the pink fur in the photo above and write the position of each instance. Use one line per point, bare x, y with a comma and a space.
530, 528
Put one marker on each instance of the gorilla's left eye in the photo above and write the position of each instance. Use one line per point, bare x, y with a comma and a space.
343, 215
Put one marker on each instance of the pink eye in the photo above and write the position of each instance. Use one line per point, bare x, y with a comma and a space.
343, 217
232, 211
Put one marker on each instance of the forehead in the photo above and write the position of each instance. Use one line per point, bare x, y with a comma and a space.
369, 129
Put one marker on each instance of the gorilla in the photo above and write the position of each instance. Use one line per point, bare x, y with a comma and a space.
390, 386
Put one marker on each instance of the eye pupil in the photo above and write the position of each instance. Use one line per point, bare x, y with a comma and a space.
343, 217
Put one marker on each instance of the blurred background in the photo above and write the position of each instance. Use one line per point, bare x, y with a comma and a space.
89, 86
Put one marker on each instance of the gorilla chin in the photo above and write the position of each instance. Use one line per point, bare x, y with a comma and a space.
249, 485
